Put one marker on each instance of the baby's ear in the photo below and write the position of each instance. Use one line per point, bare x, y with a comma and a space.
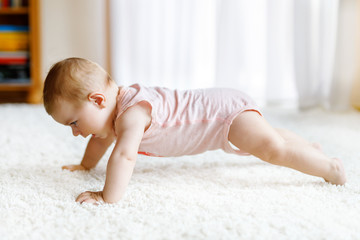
98, 99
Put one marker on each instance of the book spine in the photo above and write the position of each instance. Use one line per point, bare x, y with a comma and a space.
13, 3
11, 58
14, 73
5, 3
14, 38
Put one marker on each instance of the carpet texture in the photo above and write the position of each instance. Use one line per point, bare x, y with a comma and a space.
209, 196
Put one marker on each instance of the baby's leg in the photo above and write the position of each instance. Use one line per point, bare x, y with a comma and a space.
251, 133
292, 137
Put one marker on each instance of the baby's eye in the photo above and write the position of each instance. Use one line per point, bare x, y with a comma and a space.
74, 124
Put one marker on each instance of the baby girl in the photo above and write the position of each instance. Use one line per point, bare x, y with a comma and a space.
161, 122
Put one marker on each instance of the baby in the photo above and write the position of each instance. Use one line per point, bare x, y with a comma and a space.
162, 122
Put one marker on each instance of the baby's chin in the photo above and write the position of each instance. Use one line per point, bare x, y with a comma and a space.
98, 136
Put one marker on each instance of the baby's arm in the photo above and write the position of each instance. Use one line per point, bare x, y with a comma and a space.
130, 129
95, 149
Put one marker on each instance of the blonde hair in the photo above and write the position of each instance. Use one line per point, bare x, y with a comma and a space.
73, 79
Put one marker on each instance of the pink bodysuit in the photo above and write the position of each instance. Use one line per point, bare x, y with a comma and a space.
186, 122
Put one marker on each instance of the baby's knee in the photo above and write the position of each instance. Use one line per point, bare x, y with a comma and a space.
275, 152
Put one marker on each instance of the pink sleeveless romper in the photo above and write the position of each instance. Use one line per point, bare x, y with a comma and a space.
186, 122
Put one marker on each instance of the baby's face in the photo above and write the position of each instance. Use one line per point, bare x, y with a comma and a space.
89, 119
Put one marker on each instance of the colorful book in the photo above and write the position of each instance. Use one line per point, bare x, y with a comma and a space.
14, 74
12, 58
13, 3
14, 38
14, 28
5, 3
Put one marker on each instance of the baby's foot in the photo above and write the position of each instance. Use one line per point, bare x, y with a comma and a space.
338, 176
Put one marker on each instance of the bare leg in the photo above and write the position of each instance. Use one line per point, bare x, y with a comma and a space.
292, 137
251, 133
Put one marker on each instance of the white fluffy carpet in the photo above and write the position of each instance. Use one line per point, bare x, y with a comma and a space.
208, 196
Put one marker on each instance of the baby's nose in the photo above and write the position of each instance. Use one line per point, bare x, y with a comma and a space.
75, 131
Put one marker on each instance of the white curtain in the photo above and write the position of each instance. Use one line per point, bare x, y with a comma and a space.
278, 51
163, 42
325, 46
346, 64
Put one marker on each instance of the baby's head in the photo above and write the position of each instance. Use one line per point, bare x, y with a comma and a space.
72, 80
80, 94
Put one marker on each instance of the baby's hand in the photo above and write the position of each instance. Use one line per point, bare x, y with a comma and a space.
90, 197
74, 167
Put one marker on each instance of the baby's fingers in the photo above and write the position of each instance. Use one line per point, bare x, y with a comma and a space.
84, 197
89, 197
88, 200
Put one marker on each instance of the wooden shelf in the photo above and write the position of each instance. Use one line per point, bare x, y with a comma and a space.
12, 11
15, 86
25, 92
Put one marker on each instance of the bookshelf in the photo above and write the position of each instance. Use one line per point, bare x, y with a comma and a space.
20, 76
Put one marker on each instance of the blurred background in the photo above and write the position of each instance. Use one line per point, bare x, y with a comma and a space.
293, 53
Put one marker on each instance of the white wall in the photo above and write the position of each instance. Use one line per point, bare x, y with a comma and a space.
72, 28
